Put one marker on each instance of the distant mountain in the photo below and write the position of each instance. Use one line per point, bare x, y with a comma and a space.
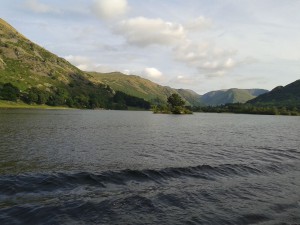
192, 97
288, 96
144, 88
233, 95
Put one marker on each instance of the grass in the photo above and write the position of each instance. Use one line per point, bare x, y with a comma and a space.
21, 105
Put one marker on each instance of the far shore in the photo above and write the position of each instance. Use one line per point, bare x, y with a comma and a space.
21, 105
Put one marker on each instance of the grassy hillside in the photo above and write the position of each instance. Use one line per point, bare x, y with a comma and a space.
192, 97
143, 88
34, 75
133, 85
233, 95
288, 96
25, 64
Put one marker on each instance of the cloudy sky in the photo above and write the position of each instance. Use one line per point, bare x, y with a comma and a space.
201, 45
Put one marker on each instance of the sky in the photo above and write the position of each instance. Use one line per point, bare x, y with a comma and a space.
202, 45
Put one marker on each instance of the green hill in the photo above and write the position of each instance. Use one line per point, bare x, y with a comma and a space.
143, 88
233, 95
192, 97
34, 75
288, 96
26, 64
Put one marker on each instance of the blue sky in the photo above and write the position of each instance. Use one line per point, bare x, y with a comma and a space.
196, 44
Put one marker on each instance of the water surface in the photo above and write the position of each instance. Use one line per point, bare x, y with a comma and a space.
118, 167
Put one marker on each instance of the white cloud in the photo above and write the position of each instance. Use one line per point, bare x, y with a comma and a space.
143, 31
184, 80
152, 72
199, 24
81, 62
206, 57
86, 64
38, 7
110, 9
126, 71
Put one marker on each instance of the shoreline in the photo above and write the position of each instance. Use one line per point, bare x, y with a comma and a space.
21, 105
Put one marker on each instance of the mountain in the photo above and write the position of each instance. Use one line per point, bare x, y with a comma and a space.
35, 75
143, 88
233, 95
192, 97
288, 96
25, 64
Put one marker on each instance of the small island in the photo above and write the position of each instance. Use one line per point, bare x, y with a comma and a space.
176, 105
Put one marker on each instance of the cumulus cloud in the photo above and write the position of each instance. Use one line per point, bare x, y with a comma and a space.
184, 80
110, 9
206, 57
86, 64
38, 7
152, 72
126, 71
81, 62
143, 31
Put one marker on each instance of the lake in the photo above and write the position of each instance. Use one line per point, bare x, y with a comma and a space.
128, 167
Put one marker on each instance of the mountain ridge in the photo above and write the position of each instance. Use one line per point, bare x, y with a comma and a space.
143, 88
232, 95
287, 96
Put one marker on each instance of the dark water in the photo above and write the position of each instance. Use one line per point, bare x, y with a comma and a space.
112, 167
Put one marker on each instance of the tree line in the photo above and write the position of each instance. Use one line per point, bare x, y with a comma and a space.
102, 96
249, 109
98, 96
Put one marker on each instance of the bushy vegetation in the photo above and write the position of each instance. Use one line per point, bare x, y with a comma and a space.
123, 101
9, 92
98, 96
250, 109
175, 106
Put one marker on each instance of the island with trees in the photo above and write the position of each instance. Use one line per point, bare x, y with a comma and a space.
176, 105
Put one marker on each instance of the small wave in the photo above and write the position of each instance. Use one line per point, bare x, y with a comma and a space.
12, 184
252, 219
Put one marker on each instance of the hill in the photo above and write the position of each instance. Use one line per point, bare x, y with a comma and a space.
35, 75
192, 97
143, 88
26, 64
233, 95
288, 96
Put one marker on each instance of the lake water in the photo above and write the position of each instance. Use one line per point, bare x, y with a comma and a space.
118, 167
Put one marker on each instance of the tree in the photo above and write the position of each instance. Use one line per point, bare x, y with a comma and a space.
176, 104
175, 100
9, 92
36, 95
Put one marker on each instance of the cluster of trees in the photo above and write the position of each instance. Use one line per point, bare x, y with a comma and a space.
176, 105
123, 101
97, 96
9, 92
64, 97
249, 109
